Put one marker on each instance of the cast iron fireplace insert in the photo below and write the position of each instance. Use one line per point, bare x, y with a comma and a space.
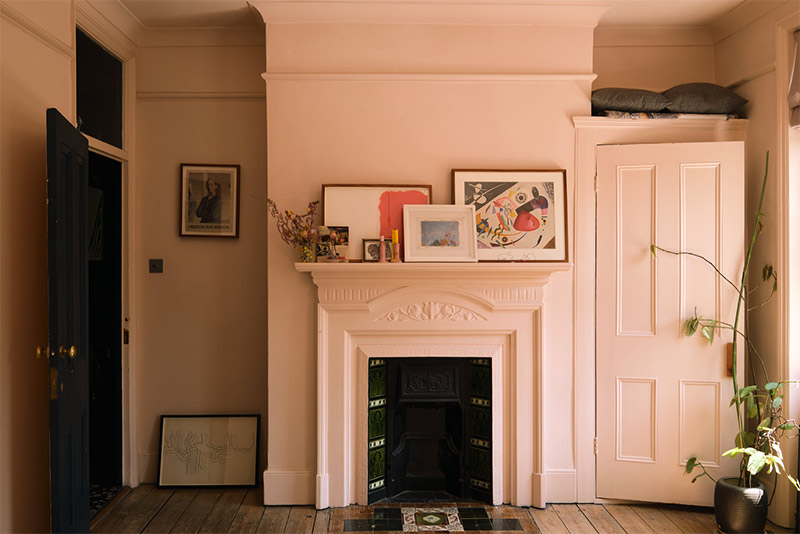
430, 427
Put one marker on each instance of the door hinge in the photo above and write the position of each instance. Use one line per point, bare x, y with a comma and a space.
53, 383
595, 445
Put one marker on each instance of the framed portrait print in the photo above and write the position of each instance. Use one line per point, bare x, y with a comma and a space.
209, 200
520, 215
439, 233
369, 210
209, 450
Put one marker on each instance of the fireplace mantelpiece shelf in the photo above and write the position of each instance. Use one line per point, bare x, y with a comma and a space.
486, 270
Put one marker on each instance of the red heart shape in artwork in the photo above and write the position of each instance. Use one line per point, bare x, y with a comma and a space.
525, 222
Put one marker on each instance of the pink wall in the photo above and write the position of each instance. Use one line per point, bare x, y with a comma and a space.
334, 115
652, 58
37, 76
200, 330
746, 60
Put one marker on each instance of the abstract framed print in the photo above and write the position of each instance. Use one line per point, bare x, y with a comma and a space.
520, 215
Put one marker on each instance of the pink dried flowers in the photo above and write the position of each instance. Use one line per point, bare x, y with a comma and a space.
296, 229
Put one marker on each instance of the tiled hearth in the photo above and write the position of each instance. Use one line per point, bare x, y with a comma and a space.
490, 311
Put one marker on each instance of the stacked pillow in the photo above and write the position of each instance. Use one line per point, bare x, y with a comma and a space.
707, 98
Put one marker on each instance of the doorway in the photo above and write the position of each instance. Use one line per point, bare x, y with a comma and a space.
105, 329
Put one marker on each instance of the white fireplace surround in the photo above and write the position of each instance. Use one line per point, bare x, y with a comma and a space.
486, 310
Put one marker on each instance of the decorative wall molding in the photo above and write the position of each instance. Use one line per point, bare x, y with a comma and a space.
431, 311
511, 294
350, 294
94, 19
188, 95
429, 78
429, 12
12, 15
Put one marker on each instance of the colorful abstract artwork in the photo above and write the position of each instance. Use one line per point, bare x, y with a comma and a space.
519, 215
370, 211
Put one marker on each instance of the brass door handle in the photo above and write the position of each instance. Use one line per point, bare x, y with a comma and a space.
72, 352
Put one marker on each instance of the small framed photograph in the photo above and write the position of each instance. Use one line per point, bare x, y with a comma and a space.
370, 210
333, 244
209, 450
209, 200
440, 233
372, 249
520, 215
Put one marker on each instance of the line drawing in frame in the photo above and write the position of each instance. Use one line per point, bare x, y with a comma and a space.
209, 450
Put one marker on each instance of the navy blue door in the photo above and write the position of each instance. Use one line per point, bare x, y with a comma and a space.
67, 285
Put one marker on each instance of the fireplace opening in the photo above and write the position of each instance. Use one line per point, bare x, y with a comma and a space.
430, 428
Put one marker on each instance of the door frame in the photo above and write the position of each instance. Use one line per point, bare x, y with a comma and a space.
589, 133
92, 23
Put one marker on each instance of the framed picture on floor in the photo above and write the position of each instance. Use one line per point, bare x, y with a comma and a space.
520, 215
208, 450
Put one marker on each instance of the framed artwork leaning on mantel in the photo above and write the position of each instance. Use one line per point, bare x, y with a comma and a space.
439, 233
520, 215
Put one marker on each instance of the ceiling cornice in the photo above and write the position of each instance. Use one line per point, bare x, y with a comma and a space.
432, 12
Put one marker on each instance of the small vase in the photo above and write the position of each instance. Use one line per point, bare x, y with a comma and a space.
738, 509
306, 253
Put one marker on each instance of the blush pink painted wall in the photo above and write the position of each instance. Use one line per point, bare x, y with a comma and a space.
652, 58
36, 76
334, 115
746, 61
201, 327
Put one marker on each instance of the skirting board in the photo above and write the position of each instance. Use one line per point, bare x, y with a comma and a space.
562, 485
289, 487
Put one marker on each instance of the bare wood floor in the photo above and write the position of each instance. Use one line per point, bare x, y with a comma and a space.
152, 509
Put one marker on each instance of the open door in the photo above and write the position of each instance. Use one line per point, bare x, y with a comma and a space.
662, 397
67, 162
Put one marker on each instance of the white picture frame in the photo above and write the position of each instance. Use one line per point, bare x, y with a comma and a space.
439, 233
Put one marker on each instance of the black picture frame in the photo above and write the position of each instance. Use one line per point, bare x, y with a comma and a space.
209, 200
209, 450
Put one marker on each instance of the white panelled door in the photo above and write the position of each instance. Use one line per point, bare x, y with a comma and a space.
662, 397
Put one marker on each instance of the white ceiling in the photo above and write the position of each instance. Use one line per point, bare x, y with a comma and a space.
237, 13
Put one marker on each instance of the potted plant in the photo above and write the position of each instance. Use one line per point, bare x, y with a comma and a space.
740, 502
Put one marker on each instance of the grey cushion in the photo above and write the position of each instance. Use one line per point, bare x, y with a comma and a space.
703, 98
620, 99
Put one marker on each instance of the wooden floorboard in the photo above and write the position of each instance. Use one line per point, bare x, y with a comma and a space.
656, 519
172, 510
249, 514
241, 511
274, 519
601, 520
195, 514
547, 521
322, 521
629, 520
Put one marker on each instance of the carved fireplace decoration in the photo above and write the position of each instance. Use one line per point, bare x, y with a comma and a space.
487, 314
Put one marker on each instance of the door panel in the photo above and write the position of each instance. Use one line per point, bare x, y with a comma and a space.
660, 394
67, 157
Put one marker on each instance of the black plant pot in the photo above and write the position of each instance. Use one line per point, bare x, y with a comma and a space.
740, 510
